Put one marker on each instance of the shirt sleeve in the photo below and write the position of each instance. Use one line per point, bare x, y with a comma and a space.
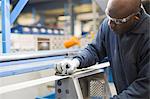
95, 51
140, 88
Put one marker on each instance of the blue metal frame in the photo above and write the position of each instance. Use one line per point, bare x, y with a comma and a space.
5, 4
8, 19
16, 11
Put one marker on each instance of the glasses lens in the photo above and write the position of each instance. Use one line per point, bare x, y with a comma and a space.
118, 21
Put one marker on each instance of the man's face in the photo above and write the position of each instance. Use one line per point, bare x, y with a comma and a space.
120, 23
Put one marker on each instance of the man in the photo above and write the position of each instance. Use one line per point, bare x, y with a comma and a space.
124, 36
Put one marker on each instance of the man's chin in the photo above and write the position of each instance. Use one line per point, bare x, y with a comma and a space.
118, 32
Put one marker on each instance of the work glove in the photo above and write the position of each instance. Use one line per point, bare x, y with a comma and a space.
67, 66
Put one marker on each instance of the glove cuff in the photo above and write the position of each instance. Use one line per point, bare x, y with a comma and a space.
76, 62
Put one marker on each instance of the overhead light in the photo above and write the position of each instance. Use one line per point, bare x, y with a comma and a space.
28, 19
49, 31
26, 29
43, 30
56, 31
87, 16
63, 18
35, 30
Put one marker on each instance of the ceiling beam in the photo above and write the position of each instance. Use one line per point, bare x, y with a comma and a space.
51, 4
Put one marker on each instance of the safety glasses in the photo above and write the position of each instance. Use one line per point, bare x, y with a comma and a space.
123, 20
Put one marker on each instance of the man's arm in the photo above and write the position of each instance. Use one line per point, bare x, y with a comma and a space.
140, 88
95, 51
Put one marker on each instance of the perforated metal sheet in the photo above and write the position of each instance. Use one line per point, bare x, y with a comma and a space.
97, 88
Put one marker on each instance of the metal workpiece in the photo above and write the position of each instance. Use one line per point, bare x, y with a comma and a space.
39, 54
65, 89
85, 84
89, 87
77, 86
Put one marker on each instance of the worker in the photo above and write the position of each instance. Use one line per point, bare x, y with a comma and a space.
124, 37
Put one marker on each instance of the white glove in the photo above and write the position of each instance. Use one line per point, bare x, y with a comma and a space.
67, 66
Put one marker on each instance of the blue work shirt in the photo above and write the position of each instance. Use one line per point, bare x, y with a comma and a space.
129, 56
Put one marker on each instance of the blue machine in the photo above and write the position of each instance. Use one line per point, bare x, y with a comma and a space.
49, 96
13, 64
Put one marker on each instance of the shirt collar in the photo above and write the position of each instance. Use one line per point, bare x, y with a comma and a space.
143, 24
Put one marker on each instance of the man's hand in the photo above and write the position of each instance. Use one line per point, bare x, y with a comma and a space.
67, 66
